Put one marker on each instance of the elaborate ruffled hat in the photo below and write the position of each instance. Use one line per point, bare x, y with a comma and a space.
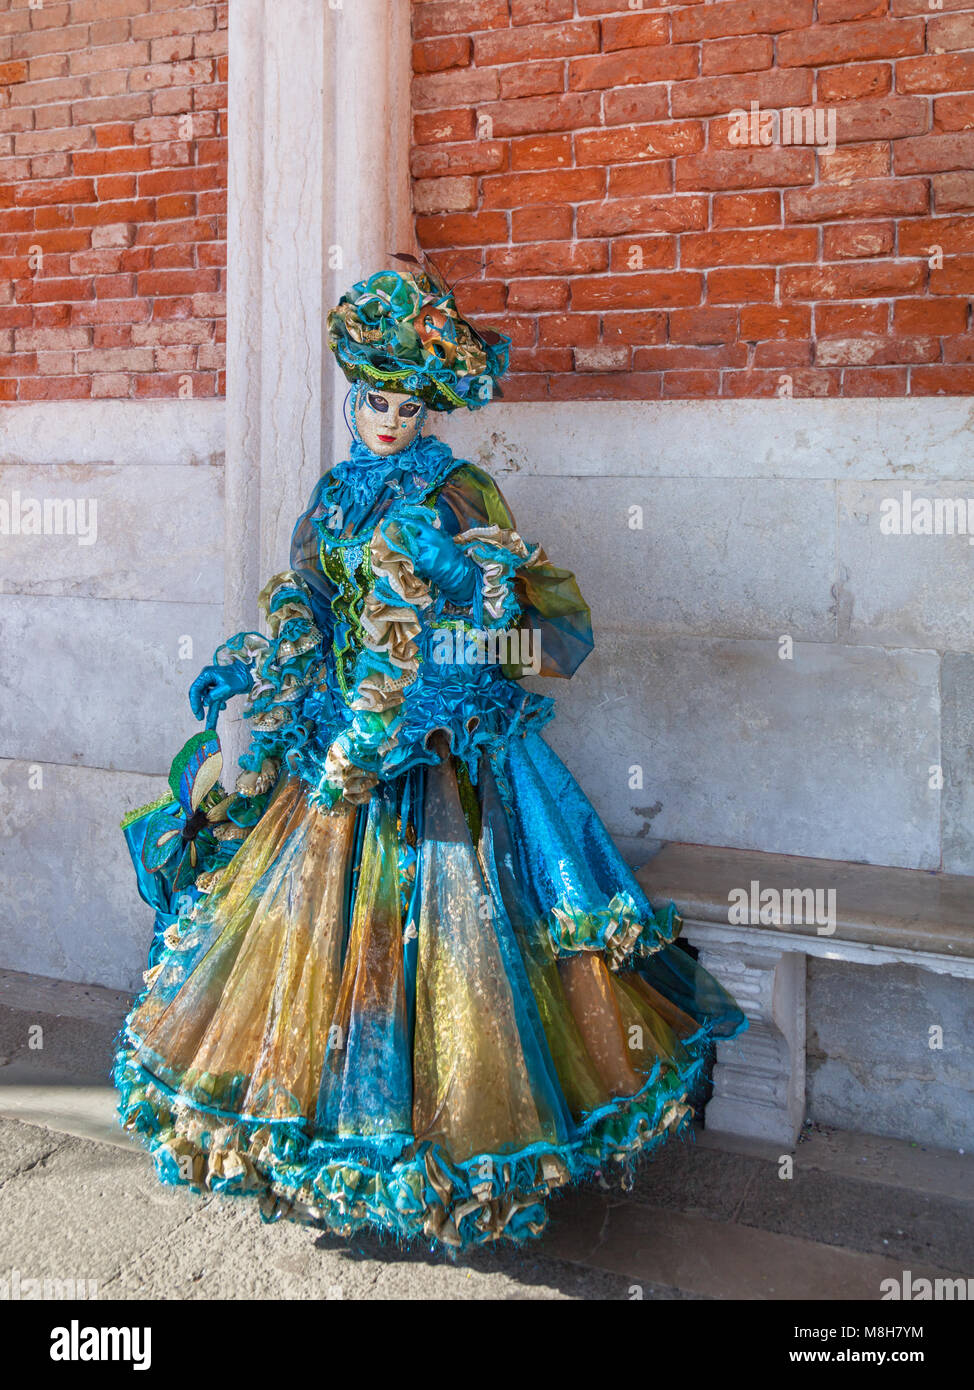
403, 332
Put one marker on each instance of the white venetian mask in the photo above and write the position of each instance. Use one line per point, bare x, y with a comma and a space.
387, 421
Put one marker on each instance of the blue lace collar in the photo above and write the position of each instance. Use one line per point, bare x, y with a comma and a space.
358, 483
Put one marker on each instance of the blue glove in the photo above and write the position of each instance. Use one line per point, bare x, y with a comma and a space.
215, 685
438, 559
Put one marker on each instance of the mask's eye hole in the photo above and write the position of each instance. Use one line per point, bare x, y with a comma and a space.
408, 409
377, 402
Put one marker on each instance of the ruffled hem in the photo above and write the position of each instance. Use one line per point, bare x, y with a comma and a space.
498, 712
433, 722
498, 554
282, 672
403, 1189
391, 622
614, 929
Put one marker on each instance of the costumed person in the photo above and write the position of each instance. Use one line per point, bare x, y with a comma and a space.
402, 977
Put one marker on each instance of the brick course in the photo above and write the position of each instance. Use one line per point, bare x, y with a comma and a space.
574, 168
112, 198
573, 165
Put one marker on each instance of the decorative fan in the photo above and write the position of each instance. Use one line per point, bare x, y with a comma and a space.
200, 804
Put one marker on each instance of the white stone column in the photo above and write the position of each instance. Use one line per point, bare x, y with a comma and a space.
319, 195
759, 1077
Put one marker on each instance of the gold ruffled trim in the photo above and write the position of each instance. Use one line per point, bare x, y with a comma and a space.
255, 783
497, 536
389, 629
575, 930
397, 569
392, 631
229, 831
287, 579
269, 721
378, 692
442, 1221
292, 689
288, 650
293, 684
496, 580
251, 650
205, 883
231, 1155
340, 771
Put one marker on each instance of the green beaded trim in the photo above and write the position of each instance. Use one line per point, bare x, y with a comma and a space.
350, 570
167, 799
389, 378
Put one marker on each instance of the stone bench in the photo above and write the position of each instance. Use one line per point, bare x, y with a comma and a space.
881, 916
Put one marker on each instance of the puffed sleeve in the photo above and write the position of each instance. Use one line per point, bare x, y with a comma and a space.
520, 587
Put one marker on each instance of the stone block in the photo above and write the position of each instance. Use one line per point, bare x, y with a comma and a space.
100, 682
826, 754
719, 557
113, 531
906, 590
71, 907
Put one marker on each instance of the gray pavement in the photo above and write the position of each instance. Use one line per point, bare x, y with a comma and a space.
707, 1219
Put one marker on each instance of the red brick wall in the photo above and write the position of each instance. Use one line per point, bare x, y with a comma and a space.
112, 198
573, 158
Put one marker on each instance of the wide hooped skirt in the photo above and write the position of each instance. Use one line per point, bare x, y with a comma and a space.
422, 1014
